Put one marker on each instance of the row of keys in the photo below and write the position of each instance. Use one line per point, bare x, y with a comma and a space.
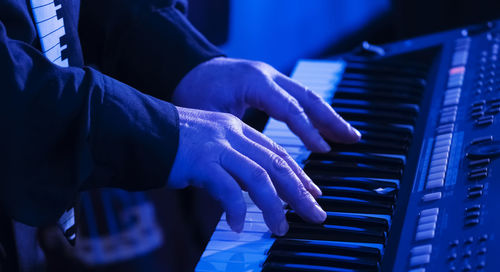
359, 181
426, 226
50, 29
441, 149
426, 230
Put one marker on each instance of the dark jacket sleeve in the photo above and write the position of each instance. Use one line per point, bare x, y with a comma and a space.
68, 129
148, 44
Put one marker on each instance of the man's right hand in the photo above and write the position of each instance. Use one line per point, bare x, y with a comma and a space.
218, 152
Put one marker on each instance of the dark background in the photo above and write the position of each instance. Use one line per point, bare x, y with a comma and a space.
377, 21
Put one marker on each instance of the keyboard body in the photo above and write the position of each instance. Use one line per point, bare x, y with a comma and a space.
418, 193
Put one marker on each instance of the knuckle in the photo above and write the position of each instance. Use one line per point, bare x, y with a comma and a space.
303, 196
280, 165
278, 149
294, 108
231, 123
312, 96
259, 174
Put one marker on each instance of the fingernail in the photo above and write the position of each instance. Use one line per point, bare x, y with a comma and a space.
356, 132
238, 228
323, 146
318, 214
316, 189
283, 229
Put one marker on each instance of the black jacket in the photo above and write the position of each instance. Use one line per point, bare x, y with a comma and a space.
65, 130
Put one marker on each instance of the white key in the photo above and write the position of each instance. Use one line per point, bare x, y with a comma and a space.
38, 3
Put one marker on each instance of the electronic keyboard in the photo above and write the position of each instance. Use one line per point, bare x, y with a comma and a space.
417, 193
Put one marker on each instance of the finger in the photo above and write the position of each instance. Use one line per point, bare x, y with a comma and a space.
287, 184
222, 186
263, 140
279, 104
259, 187
322, 115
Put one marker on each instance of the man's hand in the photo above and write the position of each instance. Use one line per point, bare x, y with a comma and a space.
231, 85
218, 152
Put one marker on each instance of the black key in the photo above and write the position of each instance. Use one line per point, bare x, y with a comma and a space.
353, 169
410, 109
403, 131
291, 267
358, 157
375, 116
382, 96
354, 205
376, 136
380, 86
386, 79
381, 194
335, 233
352, 220
399, 63
371, 146
322, 179
318, 246
376, 69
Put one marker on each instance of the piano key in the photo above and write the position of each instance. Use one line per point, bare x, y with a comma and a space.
256, 217
55, 52
395, 63
357, 157
353, 169
233, 256
376, 116
375, 70
410, 109
320, 246
379, 86
272, 266
350, 204
386, 128
52, 39
49, 26
39, 3
322, 179
244, 236
321, 259
335, 233
226, 266
247, 226
347, 219
379, 96
45, 12
380, 195
371, 146
411, 81
238, 246
378, 136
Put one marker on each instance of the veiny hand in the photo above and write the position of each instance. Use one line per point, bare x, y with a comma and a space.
218, 152
232, 85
